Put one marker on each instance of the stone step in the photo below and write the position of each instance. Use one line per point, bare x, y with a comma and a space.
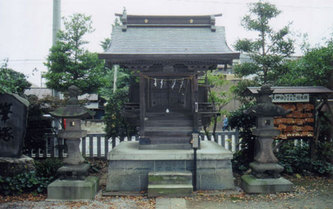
166, 146
169, 140
175, 190
169, 178
166, 128
169, 117
169, 123
152, 114
169, 133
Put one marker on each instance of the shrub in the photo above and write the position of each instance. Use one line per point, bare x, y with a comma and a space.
296, 159
48, 167
23, 182
33, 181
244, 123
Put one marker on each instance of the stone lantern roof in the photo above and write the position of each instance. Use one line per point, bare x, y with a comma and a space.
73, 109
265, 106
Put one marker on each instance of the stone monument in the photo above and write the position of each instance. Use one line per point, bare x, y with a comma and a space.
265, 176
13, 120
74, 182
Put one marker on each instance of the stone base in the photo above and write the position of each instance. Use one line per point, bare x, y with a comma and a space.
10, 166
253, 185
74, 172
260, 170
129, 167
170, 184
73, 189
165, 146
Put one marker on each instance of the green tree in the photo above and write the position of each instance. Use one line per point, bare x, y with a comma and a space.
313, 69
69, 63
116, 95
12, 81
217, 96
269, 50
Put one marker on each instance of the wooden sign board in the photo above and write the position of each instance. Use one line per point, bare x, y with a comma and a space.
298, 124
287, 98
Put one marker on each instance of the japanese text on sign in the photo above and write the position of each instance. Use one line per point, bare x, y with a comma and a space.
280, 98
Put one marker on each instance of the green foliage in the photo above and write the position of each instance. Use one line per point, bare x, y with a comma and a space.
48, 167
12, 81
296, 159
268, 51
124, 78
33, 181
116, 125
69, 63
37, 125
217, 96
116, 94
313, 69
24, 182
244, 123
239, 90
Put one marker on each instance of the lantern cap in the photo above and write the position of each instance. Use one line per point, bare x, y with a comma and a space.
73, 109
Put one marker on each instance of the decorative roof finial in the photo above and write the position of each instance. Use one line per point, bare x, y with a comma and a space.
124, 11
123, 19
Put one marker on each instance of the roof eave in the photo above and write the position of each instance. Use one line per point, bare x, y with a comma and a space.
213, 58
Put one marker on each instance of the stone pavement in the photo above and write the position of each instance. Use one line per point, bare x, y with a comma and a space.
170, 203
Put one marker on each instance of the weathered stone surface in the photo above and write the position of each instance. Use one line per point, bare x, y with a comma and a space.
73, 189
175, 190
215, 179
129, 166
74, 172
250, 184
13, 166
74, 155
155, 178
260, 169
13, 120
129, 151
169, 184
167, 203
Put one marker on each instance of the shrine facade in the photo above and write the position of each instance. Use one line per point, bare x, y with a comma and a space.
170, 55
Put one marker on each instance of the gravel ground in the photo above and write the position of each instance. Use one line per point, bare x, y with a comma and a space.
309, 193
137, 202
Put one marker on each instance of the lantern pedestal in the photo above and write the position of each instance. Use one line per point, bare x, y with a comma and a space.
73, 189
74, 172
253, 185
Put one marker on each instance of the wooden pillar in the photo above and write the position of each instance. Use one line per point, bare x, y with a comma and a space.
195, 104
142, 105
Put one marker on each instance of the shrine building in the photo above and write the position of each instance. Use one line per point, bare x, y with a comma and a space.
169, 55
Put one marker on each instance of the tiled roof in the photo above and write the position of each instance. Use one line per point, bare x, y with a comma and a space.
295, 90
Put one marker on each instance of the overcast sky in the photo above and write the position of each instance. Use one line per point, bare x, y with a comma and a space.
26, 25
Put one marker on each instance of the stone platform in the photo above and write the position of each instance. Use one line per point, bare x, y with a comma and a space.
73, 189
253, 185
129, 167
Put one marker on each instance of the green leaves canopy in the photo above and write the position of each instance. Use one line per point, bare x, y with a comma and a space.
268, 51
69, 63
12, 81
315, 68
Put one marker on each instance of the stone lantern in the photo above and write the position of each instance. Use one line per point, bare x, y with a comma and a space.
265, 176
74, 174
